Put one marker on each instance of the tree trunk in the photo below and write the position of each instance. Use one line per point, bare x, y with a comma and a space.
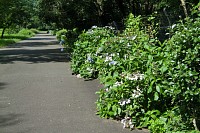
99, 6
184, 7
4, 29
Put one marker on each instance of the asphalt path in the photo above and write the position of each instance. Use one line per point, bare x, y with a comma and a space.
38, 93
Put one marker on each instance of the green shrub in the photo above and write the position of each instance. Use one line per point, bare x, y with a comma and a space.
84, 54
53, 32
146, 83
183, 69
35, 31
70, 38
5, 42
26, 32
123, 67
60, 33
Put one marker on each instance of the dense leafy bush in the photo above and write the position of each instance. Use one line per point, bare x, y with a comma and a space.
60, 33
70, 37
67, 38
123, 71
86, 49
52, 32
35, 31
26, 32
183, 70
146, 83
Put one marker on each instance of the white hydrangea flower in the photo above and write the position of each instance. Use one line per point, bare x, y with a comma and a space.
118, 84
94, 27
78, 76
107, 89
136, 93
136, 76
89, 70
113, 54
124, 102
128, 45
133, 37
108, 58
127, 123
128, 101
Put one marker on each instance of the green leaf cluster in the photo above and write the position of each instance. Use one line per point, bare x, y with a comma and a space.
84, 55
67, 38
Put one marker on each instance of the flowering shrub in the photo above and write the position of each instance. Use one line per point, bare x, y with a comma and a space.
125, 94
146, 83
86, 49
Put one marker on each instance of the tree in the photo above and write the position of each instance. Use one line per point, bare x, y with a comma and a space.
85, 13
13, 12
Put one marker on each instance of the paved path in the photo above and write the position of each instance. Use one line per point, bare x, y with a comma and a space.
38, 94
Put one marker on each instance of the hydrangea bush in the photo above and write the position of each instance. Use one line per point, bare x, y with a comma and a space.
146, 83
86, 49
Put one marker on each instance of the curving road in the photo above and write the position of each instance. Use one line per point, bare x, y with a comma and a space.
38, 94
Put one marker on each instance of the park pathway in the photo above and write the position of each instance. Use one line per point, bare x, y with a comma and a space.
38, 93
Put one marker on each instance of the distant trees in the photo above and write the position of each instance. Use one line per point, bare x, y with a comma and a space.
14, 12
85, 13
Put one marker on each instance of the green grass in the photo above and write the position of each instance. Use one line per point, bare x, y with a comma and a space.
13, 38
6, 42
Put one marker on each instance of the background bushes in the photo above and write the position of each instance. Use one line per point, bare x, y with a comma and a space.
26, 32
67, 38
15, 36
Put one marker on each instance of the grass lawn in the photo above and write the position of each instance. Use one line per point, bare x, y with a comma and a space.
12, 38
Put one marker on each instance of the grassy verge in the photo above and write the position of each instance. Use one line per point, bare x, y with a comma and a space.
13, 38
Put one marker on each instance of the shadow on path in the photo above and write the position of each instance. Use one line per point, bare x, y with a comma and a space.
42, 48
2, 85
32, 56
10, 119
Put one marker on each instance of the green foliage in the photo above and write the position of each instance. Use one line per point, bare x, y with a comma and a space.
183, 69
5, 42
60, 33
67, 38
14, 12
34, 31
84, 54
70, 38
146, 83
26, 32
13, 38
52, 32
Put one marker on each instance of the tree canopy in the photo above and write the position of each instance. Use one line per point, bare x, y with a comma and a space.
83, 14
14, 12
